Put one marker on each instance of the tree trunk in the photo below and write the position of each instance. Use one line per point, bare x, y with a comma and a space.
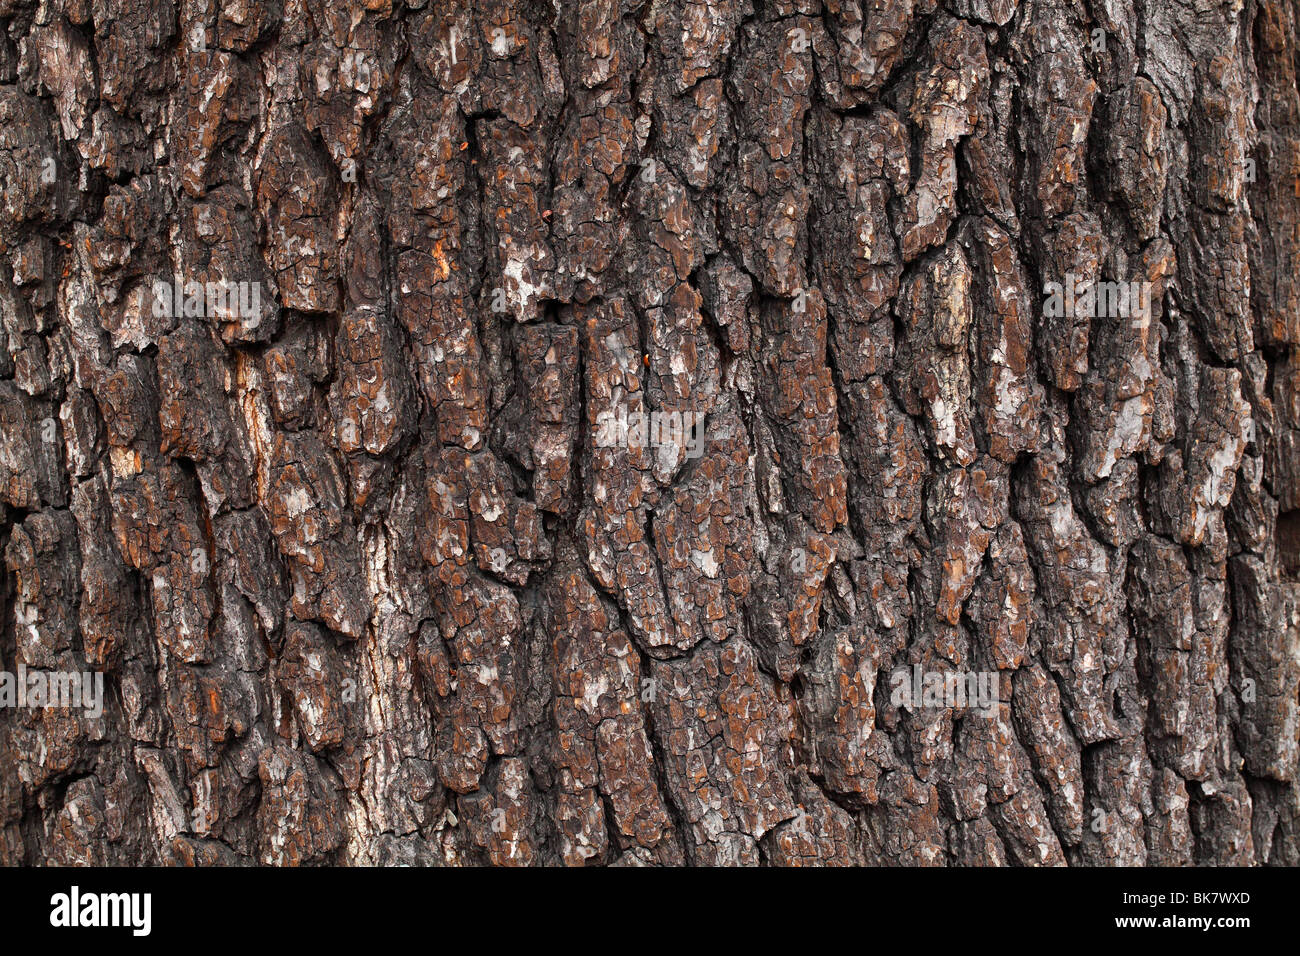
589, 433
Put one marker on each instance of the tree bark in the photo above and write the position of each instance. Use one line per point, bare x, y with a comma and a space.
380, 566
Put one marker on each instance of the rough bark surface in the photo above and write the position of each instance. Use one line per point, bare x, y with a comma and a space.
366, 588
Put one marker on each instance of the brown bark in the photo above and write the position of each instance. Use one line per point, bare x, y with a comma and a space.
367, 578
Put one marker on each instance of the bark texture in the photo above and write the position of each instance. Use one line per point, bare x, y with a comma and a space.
367, 589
